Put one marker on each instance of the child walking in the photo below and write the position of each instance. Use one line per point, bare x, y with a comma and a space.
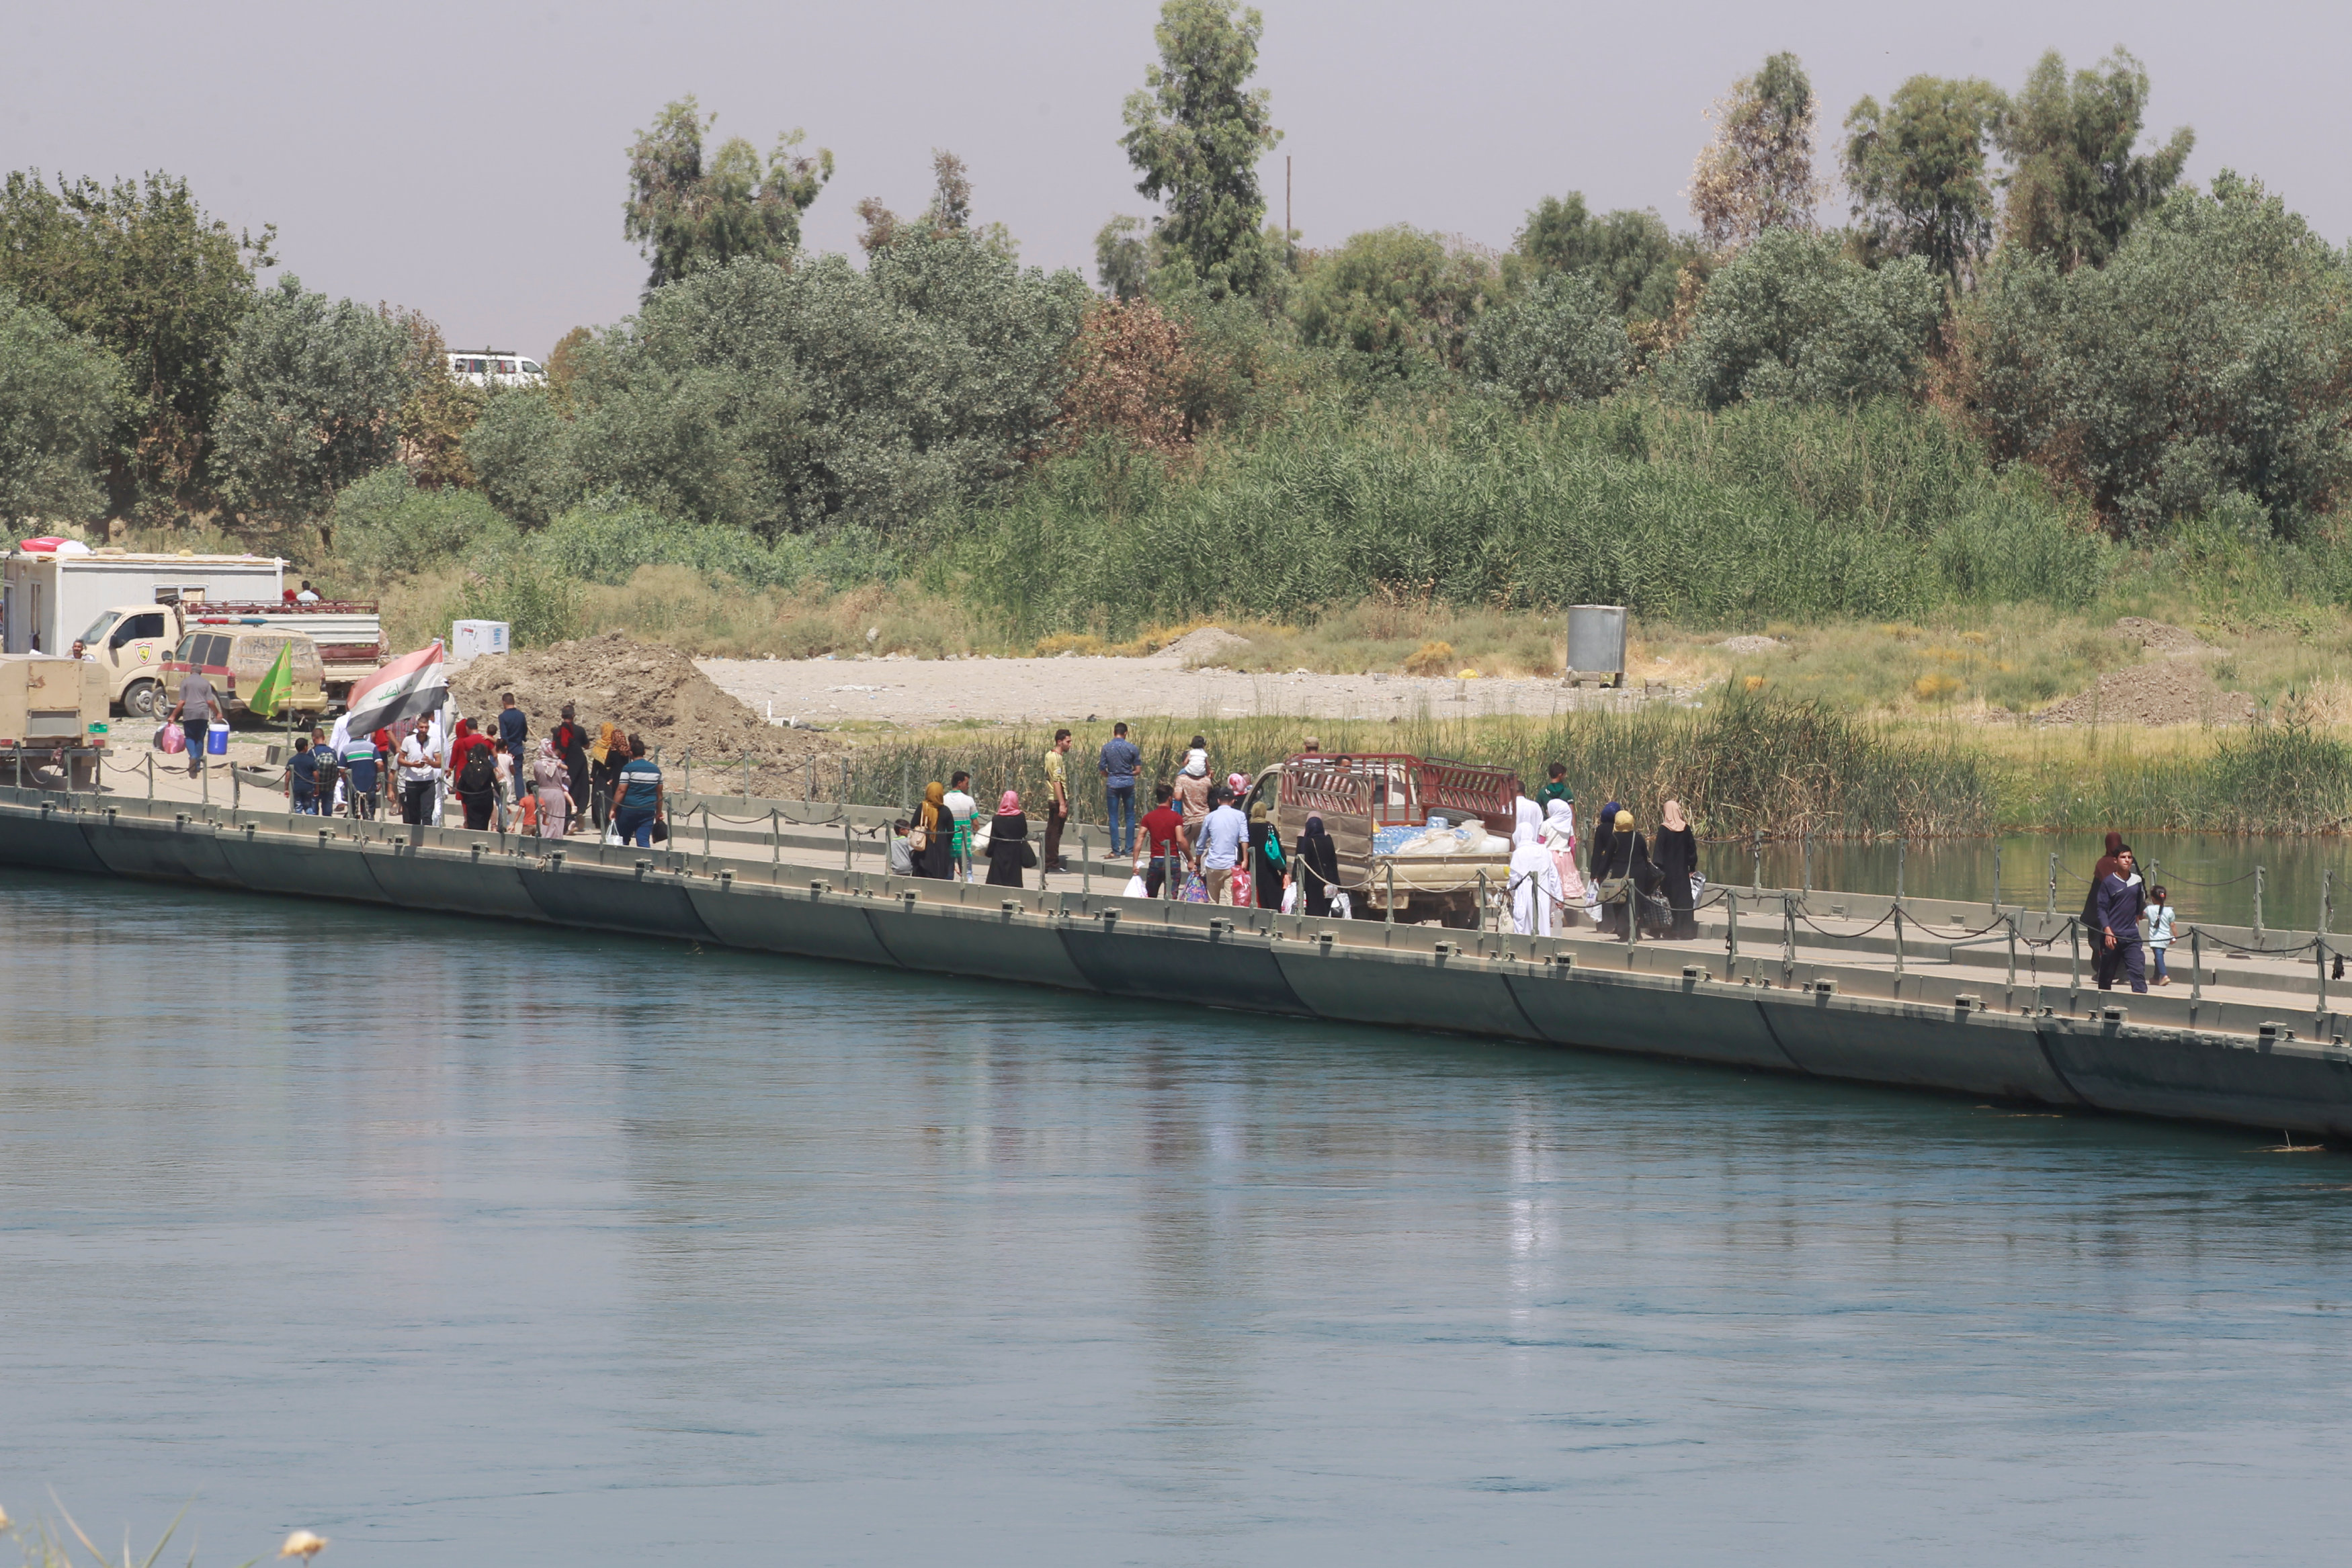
2159, 936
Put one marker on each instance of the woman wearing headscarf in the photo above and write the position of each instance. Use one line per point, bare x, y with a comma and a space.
1608, 915
552, 783
1316, 867
1560, 843
1267, 872
1008, 843
1675, 851
1534, 884
936, 858
1627, 878
605, 760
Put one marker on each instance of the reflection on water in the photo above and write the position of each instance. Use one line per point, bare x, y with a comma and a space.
2210, 875
467, 1243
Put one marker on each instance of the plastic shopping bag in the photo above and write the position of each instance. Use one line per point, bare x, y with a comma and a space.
1290, 899
1242, 890
1342, 906
1135, 888
1195, 890
172, 739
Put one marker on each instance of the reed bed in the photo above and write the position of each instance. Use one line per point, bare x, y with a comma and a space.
1746, 763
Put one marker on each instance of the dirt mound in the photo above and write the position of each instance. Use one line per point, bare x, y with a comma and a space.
2160, 690
2160, 639
649, 690
1202, 646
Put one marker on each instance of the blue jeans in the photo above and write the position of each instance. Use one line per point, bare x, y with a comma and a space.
1122, 819
635, 828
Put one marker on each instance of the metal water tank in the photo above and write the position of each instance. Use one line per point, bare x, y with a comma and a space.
1596, 641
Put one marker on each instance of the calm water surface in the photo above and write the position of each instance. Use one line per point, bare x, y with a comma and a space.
465, 1244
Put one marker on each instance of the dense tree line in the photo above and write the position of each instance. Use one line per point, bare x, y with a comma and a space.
2024, 264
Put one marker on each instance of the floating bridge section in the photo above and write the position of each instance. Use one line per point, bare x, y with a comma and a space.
773, 877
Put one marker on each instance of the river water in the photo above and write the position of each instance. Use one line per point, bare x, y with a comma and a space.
467, 1243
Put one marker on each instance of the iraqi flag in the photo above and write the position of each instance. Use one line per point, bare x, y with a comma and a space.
410, 687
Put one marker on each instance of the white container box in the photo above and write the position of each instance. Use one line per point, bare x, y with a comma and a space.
472, 639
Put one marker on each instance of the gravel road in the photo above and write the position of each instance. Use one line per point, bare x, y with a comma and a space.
924, 692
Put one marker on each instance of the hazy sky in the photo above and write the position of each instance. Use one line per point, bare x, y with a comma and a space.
469, 158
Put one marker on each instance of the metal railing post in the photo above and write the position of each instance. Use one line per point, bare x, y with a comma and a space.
2074, 964
2258, 904
1902, 847
1633, 915
1086, 869
2053, 885
1731, 927
1757, 885
150, 776
687, 762
1898, 941
1996, 876
2196, 964
1788, 939
848, 849
706, 830
2012, 952
1482, 911
1808, 857
1393, 892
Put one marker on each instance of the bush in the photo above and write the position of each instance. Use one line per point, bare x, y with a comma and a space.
1560, 342
788, 400
2210, 356
385, 523
1792, 317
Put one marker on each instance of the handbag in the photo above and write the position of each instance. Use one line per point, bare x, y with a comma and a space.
1028, 856
661, 831
918, 839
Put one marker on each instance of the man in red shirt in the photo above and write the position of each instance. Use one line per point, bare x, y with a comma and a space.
1163, 832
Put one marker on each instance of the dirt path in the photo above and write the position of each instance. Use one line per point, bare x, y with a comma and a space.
923, 691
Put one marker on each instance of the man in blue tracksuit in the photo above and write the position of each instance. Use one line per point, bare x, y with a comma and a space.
2118, 939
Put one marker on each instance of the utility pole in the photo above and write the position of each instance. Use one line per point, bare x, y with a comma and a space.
1289, 245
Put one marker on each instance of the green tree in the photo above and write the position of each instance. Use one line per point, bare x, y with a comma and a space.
784, 401
59, 395
1122, 257
315, 388
437, 409
2209, 358
2077, 186
685, 216
1401, 299
139, 267
1629, 253
1917, 171
949, 214
1793, 317
1561, 341
1195, 132
1757, 174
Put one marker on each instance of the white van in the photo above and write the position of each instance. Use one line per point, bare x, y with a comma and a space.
495, 367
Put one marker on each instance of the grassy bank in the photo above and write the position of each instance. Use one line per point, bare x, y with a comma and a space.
1749, 762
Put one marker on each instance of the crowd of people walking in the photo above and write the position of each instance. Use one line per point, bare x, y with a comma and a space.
577, 782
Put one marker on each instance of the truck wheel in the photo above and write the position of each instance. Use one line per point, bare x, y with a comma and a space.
142, 699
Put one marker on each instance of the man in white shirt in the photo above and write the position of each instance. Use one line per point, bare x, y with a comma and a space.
420, 775
961, 806
308, 594
1224, 839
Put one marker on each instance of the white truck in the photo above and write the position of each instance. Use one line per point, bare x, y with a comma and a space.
48, 596
131, 611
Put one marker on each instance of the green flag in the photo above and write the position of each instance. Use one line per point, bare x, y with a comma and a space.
272, 689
